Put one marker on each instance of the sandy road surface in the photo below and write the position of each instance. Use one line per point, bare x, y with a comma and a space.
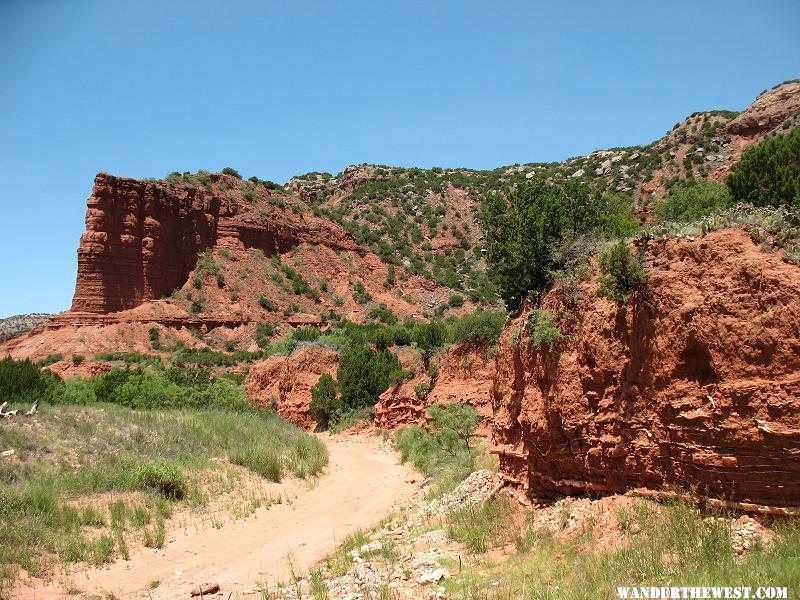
364, 482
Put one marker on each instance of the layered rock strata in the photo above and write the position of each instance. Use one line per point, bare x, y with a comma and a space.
695, 386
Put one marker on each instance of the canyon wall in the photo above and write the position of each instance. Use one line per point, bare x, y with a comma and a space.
142, 238
284, 382
693, 386
141, 241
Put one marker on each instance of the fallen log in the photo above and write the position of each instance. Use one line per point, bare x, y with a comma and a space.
5, 413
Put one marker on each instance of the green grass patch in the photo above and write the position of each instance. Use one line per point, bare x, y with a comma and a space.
677, 546
442, 452
162, 452
482, 526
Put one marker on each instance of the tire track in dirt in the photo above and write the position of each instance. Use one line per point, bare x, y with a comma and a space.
364, 481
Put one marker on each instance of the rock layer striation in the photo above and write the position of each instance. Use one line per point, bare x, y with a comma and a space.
694, 386
142, 238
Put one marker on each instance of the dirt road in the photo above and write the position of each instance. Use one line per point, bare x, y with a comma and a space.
363, 483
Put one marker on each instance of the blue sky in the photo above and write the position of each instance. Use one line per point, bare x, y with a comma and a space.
282, 88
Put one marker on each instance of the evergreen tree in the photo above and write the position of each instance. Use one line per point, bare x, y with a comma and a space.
769, 172
522, 227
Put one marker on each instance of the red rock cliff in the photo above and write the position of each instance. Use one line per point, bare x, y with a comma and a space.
142, 237
141, 241
699, 388
285, 382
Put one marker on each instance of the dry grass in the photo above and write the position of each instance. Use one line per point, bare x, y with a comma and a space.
86, 482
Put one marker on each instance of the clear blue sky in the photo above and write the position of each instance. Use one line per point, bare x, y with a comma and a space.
276, 89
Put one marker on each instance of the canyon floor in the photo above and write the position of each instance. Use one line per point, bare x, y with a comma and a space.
363, 483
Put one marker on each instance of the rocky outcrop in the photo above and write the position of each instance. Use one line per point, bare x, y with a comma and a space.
464, 374
142, 238
695, 386
284, 382
16, 325
768, 111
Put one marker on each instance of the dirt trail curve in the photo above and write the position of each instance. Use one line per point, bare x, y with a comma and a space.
363, 483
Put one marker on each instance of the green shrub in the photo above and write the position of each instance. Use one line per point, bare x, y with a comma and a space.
143, 389
769, 172
422, 390
364, 374
543, 328
206, 266
163, 477
22, 381
384, 337
360, 293
483, 327
49, 360
623, 273
391, 278
454, 425
691, 200
522, 226
383, 314
325, 405
75, 391
78, 359
456, 301
284, 346
209, 357
174, 388
616, 219
305, 333
430, 336
443, 452
231, 171
264, 331
266, 303
129, 357
155, 338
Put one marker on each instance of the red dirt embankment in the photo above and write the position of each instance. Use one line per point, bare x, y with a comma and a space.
695, 386
285, 382
464, 374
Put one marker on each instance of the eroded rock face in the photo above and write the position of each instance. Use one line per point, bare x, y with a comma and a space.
142, 238
465, 375
696, 388
141, 241
285, 382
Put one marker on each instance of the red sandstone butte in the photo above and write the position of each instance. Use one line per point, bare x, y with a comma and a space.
142, 238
